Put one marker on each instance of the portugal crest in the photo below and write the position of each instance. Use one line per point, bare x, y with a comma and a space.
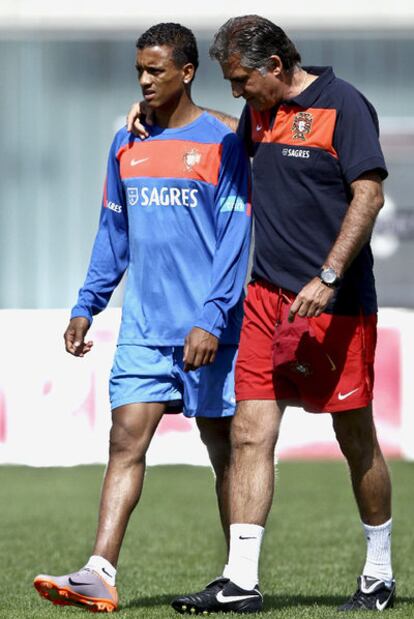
302, 124
192, 158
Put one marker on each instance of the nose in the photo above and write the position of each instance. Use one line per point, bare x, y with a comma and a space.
145, 79
237, 90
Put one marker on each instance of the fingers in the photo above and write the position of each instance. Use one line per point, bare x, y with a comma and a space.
200, 348
186, 351
134, 123
197, 358
304, 309
293, 309
133, 113
139, 130
84, 349
74, 337
194, 359
311, 300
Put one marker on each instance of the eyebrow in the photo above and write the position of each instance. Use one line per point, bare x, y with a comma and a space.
237, 79
150, 67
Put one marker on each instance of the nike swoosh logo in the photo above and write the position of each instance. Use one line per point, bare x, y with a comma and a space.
333, 366
344, 396
138, 161
107, 573
227, 599
370, 588
259, 127
74, 582
242, 537
382, 605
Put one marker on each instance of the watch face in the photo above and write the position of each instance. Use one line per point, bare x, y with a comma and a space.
328, 276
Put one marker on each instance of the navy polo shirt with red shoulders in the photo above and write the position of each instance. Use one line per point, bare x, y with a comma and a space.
306, 152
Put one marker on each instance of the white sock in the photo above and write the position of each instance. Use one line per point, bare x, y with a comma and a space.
226, 571
105, 569
378, 561
243, 564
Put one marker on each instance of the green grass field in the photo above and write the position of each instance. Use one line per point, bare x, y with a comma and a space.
313, 549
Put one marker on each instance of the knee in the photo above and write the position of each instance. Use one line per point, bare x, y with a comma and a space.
126, 447
357, 441
215, 434
245, 436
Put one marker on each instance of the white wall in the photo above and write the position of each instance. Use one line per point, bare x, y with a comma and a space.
54, 408
96, 14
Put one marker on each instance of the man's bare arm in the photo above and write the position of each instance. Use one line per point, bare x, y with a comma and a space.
139, 110
367, 201
230, 121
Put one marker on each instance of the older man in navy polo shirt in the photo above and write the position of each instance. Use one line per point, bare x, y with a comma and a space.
309, 331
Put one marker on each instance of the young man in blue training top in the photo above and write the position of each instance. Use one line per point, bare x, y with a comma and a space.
175, 214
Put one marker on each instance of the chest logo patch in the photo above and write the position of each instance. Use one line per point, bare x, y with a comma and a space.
302, 124
192, 158
132, 193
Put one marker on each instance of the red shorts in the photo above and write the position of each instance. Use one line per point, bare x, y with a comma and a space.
324, 364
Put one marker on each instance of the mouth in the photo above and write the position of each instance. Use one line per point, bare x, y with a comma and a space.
149, 95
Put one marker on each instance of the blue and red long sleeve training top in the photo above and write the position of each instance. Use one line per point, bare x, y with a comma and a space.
176, 215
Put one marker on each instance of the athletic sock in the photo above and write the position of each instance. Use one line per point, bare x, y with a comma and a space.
243, 564
102, 567
378, 561
225, 573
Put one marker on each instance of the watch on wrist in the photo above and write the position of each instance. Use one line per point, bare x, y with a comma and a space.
329, 277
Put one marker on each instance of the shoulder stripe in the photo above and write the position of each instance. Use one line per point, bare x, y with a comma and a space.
170, 159
295, 126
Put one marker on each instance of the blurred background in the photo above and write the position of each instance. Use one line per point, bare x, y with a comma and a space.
68, 79
67, 82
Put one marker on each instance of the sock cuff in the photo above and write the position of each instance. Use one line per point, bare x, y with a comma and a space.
379, 527
98, 562
246, 530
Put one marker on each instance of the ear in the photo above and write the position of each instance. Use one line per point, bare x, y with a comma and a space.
188, 73
275, 65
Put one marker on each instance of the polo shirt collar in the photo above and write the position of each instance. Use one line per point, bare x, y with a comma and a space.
308, 97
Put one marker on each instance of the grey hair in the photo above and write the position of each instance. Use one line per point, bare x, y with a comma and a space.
255, 39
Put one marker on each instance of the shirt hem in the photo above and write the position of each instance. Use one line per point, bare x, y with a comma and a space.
159, 343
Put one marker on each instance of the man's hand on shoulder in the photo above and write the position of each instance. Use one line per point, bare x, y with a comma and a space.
200, 348
138, 111
74, 337
228, 120
311, 300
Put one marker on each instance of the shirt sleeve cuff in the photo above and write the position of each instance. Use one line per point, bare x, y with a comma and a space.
212, 319
368, 165
81, 312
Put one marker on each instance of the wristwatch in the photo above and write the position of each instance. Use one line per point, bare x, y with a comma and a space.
329, 277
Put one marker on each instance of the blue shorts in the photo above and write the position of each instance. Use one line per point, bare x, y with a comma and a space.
155, 374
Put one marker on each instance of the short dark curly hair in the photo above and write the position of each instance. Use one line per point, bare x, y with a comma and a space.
180, 38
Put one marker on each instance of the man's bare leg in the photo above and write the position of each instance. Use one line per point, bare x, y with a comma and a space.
93, 587
255, 430
133, 427
357, 438
356, 434
215, 434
